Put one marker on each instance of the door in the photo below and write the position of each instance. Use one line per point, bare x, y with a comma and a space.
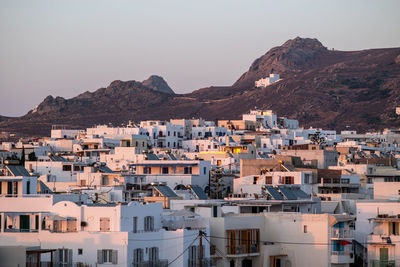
247, 263
24, 223
383, 256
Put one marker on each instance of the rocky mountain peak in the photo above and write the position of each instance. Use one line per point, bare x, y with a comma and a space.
300, 43
157, 83
294, 56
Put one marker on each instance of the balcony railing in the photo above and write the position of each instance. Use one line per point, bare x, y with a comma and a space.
55, 264
206, 262
382, 263
342, 257
12, 230
239, 250
158, 263
342, 233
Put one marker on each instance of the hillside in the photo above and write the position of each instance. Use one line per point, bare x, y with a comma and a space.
319, 87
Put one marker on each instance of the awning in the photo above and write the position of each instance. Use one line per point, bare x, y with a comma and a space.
329, 206
334, 219
57, 218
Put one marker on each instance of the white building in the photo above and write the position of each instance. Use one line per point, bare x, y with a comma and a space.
264, 82
253, 184
101, 235
383, 242
266, 117
175, 173
163, 134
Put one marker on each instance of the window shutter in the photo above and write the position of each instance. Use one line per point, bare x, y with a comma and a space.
99, 256
115, 257
69, 255
56, 256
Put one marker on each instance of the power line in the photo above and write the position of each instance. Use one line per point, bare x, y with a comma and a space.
161, 239
289, 243
183, 251
216, 248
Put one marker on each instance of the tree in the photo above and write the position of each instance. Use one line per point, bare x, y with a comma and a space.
316, 139
22, 160
32, 156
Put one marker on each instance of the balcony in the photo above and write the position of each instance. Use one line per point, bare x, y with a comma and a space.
15, 230
382, 263
342, 257
243, 250
204, 263
341, 233
158, 263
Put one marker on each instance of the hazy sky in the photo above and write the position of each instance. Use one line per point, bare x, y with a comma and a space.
63, 48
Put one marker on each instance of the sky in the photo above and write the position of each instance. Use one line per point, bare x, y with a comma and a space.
64, 48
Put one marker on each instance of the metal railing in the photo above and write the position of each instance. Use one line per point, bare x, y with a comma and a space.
382, 263
13, 230
54, 264
158, 263
342, 233
242, 249
343, 253
206, 262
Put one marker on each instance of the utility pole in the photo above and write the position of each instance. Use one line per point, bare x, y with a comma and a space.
201, 249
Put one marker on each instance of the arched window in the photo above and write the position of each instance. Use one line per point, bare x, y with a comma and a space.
148, 223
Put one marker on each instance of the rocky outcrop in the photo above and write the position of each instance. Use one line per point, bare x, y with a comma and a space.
157, 83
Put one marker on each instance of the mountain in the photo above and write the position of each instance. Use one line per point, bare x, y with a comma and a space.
157, 83
319, 87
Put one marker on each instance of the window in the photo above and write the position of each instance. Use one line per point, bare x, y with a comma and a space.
71, 225
288, 180
147, 170
12, 188
168, 133
148, 223
135, 224
104, 180
104, 224
107, 256
153, 255
67, 168
215, 211
28, 187
305, 228
393, 228
64, 256
80, 251
137, 256
165, 170
268, 179
255, 179
77, 168
188, 170
205, 170
192, 256
306, 179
